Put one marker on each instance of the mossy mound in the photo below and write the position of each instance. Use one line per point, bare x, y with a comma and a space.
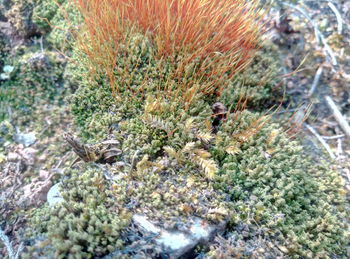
88, 223
273, 187
64, 25
258, 83
139, 72
167, 193
173, 165
264, 186
32, 74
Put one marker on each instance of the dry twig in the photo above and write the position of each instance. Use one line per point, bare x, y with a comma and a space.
8, 245
324, 144
316, 80
338, 116
339, 148
338, 16
333, 137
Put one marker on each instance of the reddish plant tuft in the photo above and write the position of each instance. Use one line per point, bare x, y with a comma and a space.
221, 34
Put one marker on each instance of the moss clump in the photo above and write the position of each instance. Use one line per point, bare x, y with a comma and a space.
169, 192
173, 166
19, 13
3, 52
297, 203
64, 25
44, 11
88, 223
271, 184
35, 80
6, 133
258, 82
265, 185
140, 76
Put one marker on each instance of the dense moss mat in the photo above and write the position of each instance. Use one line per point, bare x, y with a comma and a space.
267, 190
44, 11
259, 84
297, 201
3, 52
87, 224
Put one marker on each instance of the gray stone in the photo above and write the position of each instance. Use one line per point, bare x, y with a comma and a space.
180, 243
54, 196
26, 139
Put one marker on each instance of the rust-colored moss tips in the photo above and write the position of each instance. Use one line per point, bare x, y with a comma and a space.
219, 36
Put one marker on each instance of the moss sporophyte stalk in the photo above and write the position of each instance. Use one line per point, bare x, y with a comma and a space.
151, 76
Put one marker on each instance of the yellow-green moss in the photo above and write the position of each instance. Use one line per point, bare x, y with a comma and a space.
96, 109
64, 25
88, 223
270, 181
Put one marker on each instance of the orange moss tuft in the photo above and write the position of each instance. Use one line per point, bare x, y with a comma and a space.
222, 35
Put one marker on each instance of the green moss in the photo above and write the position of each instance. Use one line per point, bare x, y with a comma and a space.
36, 80
6, 133
270, 182
258, 84
168, 194
44, 11
88, 223
93, 102
273, 185
3, 52
64, 24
